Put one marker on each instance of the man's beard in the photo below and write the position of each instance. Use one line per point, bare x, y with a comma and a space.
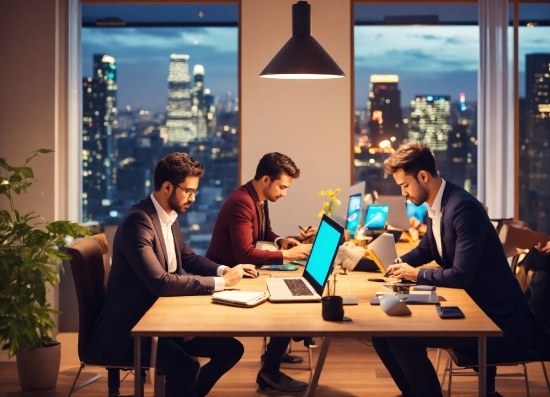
174, 203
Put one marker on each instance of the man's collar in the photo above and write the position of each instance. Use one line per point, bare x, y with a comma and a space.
165, 218
436, 206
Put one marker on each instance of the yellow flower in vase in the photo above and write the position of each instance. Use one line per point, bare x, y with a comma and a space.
330, 203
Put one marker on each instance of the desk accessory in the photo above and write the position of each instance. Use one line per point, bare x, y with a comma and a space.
393, 306
280, 267
449, 312
239, 298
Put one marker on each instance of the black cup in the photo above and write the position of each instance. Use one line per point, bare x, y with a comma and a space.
332, 308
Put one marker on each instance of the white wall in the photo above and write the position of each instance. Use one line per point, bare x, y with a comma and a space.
308, 120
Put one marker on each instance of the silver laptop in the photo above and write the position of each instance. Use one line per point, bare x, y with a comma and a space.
397, 216
309, 287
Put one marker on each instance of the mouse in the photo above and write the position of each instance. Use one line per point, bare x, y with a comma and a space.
246, 274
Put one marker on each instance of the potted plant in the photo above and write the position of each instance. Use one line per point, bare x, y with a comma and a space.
30, 263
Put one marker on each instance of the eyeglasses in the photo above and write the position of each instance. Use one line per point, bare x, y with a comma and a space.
188, 192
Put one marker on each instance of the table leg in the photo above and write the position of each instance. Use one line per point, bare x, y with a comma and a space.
137, 366
482, 362
319, 366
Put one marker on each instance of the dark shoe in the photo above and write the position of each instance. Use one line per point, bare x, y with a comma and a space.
494, 394
290, 359
280, 382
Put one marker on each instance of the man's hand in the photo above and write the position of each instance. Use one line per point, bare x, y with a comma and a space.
232, 276
403, 270
543, 249
297, 253
288, 243
248, 270
306, 236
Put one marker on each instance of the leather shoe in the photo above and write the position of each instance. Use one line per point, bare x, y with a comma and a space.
280, 382
290, 359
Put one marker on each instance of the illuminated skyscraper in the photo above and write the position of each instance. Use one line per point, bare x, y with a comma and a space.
535, 144
199, 109
99, 119
179, 124
385, 120
431, 121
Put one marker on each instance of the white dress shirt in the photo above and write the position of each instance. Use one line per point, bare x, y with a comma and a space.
435, 215
166, 222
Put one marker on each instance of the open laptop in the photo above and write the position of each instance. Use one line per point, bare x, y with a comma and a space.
354, 212
383, 252
397, 217
376, 216
309, 287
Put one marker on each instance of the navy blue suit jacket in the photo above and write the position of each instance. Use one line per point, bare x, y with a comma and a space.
473, 259
139, 276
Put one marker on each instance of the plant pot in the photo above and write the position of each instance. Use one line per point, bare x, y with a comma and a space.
38, 369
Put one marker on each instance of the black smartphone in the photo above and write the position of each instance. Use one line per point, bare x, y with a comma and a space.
379, 280
449, 312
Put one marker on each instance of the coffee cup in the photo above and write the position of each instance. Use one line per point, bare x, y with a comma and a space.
332, 308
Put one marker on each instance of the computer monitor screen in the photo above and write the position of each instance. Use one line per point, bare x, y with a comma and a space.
376, 216
419, 212
354, 212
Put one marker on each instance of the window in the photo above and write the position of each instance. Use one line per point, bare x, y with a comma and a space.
158, 79
416, 81
534, 108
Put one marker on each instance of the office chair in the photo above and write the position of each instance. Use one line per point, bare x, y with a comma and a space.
90, 267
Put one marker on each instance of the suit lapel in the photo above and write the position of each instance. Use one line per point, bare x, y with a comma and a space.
152, 212
444, 200
257, 233
176, 232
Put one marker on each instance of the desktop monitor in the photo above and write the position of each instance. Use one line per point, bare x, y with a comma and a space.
354, 212
376, 216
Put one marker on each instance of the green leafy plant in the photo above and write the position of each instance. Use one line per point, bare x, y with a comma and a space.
30, 261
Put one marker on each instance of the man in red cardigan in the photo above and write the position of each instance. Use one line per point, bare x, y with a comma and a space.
242, 222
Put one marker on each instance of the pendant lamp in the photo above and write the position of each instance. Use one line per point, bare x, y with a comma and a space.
302, 57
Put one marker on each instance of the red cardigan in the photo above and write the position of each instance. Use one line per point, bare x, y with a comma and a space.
237, 230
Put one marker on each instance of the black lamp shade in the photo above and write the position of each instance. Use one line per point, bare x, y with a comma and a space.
302, 57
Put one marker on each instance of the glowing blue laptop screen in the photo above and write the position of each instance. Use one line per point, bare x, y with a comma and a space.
419, 212
354, 212
323, 253
376, 216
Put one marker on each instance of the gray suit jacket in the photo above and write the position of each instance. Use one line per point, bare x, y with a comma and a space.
139, 277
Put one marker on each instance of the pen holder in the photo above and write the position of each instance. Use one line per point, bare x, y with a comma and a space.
332, 308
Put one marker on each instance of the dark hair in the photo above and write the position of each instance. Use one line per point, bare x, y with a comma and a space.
274, 164
412, 158
175, 167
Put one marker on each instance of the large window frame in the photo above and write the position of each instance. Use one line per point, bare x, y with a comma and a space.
515, 60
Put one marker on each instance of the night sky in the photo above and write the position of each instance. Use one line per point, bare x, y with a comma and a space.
437, 60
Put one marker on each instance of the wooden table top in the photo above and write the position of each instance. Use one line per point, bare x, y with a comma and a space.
198, 316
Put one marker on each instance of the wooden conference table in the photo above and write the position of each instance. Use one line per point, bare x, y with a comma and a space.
189, 316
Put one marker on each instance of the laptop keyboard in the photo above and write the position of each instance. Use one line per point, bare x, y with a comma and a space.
297, 287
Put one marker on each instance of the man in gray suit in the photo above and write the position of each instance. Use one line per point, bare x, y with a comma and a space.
151, 260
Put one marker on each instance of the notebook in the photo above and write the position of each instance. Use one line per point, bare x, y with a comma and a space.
375, 218
310, 286
382, 251
239, 298
354, 212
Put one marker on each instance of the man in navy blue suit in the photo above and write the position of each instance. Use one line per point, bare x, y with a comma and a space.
463, 242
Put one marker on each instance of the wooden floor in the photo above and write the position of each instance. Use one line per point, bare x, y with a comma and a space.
352, 368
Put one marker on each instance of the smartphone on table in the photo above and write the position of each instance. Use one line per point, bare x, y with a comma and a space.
449, 312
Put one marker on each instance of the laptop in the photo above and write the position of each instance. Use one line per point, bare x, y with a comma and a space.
397, 216
309, 287
383, 252
376, 216
354, 212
